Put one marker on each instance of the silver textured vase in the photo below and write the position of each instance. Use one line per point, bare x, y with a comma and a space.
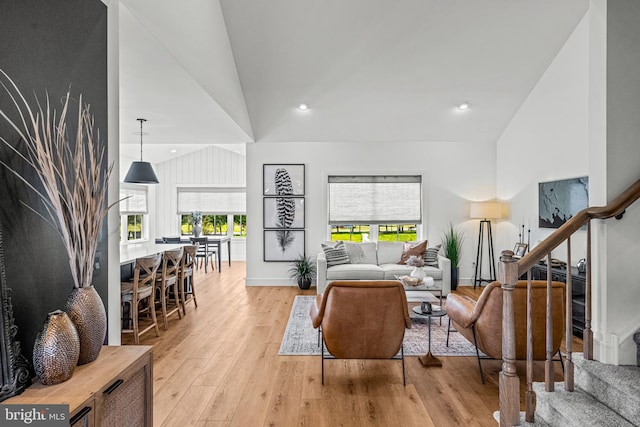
56, 349
86, 310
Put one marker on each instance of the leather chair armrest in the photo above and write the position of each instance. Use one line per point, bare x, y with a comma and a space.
316, 311
461, 310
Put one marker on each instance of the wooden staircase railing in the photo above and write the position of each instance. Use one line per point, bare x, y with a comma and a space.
511, 270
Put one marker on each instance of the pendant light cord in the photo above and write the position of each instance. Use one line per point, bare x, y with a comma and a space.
141, 121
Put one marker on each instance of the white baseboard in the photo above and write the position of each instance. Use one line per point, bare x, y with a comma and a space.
270, 282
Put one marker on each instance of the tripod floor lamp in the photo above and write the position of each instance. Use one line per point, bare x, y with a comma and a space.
485, 211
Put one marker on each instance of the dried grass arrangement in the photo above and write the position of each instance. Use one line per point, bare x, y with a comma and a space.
74, 185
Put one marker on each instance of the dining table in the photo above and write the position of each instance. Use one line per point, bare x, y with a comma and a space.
216, 240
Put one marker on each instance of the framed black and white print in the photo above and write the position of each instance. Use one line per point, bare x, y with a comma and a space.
283, 212
283, 245
283, 179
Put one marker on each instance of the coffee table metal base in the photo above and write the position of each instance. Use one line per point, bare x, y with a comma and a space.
429, 360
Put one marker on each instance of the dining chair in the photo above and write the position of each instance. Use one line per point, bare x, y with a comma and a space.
187, 282
167, 283
139, 296
206, 252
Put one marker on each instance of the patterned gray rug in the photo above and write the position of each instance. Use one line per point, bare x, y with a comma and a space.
301, 339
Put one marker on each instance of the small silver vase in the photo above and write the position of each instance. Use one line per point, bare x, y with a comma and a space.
56, 349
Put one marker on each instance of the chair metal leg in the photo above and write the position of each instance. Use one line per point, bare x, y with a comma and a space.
475, 343
404, 378
323, 361
448, 331
561, 361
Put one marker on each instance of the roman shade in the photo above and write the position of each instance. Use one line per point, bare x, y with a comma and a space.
212, 200
133, 201
375, 199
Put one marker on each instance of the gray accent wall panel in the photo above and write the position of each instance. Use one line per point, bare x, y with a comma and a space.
47, 46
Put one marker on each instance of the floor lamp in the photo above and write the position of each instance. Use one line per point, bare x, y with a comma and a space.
485, 211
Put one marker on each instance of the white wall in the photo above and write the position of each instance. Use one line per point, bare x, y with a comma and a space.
212, 166
455, 173
547, 139
113, 217
623, 169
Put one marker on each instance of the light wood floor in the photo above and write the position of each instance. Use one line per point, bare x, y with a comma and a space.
219, 366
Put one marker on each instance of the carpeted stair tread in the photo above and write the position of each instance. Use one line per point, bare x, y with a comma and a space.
538, 422
579, 409
618, 387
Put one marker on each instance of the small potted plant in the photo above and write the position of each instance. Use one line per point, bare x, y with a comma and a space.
304, 271
452, 240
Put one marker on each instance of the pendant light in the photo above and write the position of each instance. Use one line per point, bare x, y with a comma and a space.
141, 172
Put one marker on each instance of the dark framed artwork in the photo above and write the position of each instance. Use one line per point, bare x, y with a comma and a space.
283, 212
283, 179
283, 245
559, 201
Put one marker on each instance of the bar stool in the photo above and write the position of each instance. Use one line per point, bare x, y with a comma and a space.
168, 281
187, 286
139, 290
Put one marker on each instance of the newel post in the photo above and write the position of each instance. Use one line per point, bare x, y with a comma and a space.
509, 381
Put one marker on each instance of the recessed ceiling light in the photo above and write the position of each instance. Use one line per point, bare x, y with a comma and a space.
464, 106
174, 151
303, 107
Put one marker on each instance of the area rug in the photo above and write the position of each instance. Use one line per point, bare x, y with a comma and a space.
301, 339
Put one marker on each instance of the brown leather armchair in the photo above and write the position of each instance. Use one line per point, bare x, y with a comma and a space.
481, 321
362, 320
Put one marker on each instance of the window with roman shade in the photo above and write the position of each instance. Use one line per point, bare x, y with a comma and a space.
133, 210
133, 201
223, 210
375, 199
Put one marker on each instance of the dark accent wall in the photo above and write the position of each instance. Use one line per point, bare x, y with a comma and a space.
46, 46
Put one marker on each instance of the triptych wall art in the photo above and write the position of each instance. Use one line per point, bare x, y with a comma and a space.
283, 212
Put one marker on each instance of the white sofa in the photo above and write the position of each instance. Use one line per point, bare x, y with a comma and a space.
379, 261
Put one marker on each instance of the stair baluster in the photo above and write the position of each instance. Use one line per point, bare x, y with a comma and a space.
530, 396
587, 337
548, 364
568, 341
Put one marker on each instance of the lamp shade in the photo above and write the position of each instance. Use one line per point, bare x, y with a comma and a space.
484, 210
141, 173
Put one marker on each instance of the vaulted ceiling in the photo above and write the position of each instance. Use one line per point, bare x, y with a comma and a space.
207, 72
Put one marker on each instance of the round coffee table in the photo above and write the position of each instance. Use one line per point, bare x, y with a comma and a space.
429, 359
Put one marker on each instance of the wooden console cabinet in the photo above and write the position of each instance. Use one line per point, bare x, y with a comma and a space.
114, 390
578, 285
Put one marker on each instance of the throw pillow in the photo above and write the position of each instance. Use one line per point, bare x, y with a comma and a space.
431, 256
336, 254
355, 252
413, 249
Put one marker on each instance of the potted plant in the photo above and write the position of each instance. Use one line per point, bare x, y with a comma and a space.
63, 148
304, 271
452, 240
